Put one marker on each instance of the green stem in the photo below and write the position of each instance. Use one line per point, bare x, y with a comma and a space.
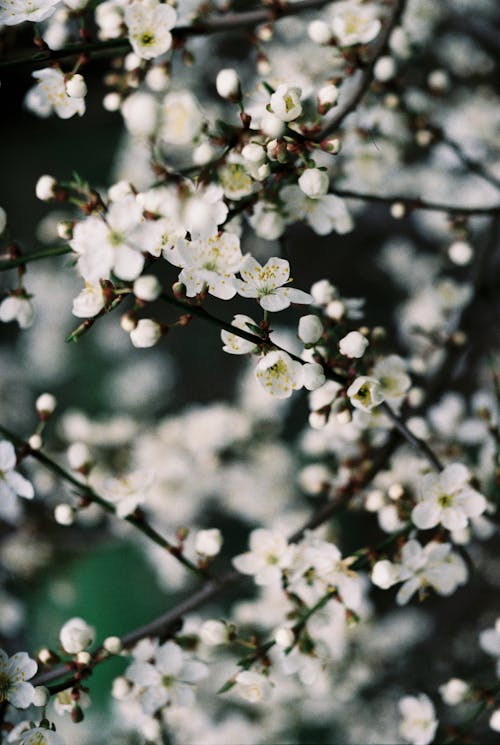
45, 253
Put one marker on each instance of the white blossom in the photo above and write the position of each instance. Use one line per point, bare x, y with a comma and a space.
146, 333
76, 86
266, 283
279, 374
419, 719
13, 12
354, 23
234, 344
353, 345
314, 183
15, 671
181, 118
365, 393
227, 83
76, 635
149, 23
254, 687
310, 329
323, 214
147, 288
448, 499
208, 542
50, 95
89, 302
268, 554
285, 103
17, 308
454, 692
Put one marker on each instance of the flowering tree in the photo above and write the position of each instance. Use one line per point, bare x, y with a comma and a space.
273, 557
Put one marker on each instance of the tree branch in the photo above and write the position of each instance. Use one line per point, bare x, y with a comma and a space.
416, 203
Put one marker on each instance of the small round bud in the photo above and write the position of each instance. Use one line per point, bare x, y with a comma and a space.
64, 514
461, 253
128, 322
423, 137
132, 62
353, 345
40, 696
254, 153
111, 101
46, 403
263, 171
284, 637
331, 145
385, 69
310, 329
374, 500
76, 86
208, 542
146, 334
213, 633
265, 33
120, 688
319, 32
395, 491
45, 188
327, 96
314, 183
78, 456
35, 442
398, 210
157, 79
46, 657
113, 644
335, 310
203, 154
438, 81
83, 658
228, 84
147, 288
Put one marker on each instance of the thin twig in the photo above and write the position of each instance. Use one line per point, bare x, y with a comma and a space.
416, 203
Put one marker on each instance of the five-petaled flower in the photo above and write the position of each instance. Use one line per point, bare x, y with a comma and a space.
266, 284
15, 671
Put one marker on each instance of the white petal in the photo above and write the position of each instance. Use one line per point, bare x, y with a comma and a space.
20, 485
426, 515
7, 456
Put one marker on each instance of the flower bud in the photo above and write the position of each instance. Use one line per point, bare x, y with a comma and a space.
45, 404
461, 253
147, 288
65, 230
111, 101
76, 86
213, 633
314, 183
228, 84
113, 644
45, 188
120, 688
83, 658
385, 69
78, 456
319, 32
284, 637
128, 321
40, 696
254, 153
353, 345
310, 329
285, 103
35, 442
76, 635
327, 97
64, 514
146, 334
331, 145
208, 542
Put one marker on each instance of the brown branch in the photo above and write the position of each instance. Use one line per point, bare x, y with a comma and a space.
416, 203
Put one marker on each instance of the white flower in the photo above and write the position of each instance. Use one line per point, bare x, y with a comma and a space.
327, 97
434, 565
17, 308
419, 719
252, 686
267, 221
64, 703
208, 542
76, 86
365, 393
323, 214
105, 246
89, 302
234, 344
208, 263
12, 484
279, 374
76, 635
268, 553
13, 12
254, 153
14, 672
227, 83
265, 283
45, 403
314, 183
285, 103
128, 492
140, 112
147, 288
148, 24
45, 187
50, 95
146, 334
353, 23
353, 345
235, 181
181, 118
310, 329
454, 692
27, 733
448, 499
391, 374
169, 679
